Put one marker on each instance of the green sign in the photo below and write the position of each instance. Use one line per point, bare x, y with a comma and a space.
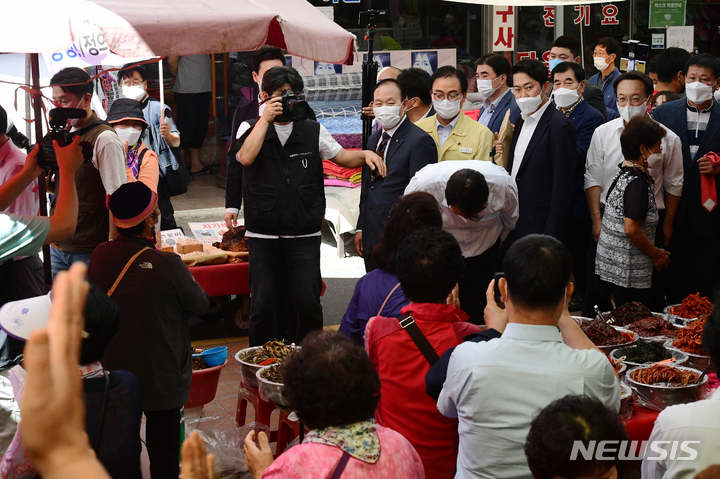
667, 13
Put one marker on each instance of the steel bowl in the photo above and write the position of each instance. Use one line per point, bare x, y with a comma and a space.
610, 348
622, 370
680, 357
270, 391
625, 397
697, 361
659, 397
248, 371
674, 318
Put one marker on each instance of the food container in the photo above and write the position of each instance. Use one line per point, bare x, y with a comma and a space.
213, 356
204, 385
680, 357
625, 399
660, 397
676, 319
248, 371
697, 361
609, 349
622, 370
270, 391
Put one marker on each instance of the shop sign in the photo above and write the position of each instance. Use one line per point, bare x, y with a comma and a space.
583, 15
681, 37
549, 16
658, 41
525, 56
666, 13
610, 13
503, 29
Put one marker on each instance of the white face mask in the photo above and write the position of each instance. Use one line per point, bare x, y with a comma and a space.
629, 112
485, 88
717, 94
600, 63
135, 92
698, 92
73, 121
129, 134
447, 109
566, 97
387, 116
529, 104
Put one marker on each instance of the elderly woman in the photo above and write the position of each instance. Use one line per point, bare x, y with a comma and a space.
379, 293
332, 386
155, 294
625, 252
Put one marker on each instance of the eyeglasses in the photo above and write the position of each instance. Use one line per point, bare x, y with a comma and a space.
133, 83
440, 96
634, 101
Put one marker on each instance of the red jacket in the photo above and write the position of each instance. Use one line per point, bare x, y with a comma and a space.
404, 406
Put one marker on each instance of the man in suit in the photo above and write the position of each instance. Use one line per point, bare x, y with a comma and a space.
606, 53
566, 48
415, 82
695, 249
568, 79
405, 148
456, 136
493, 74
543, 156
261, 61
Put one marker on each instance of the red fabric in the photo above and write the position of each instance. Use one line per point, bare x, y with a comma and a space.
339, 171
707, 185
472, 114
404, 406
641, 424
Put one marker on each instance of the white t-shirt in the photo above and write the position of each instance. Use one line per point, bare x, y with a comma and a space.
109, 159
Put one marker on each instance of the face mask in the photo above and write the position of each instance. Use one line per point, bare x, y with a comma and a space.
698, 92
566, 97
129, 134
600, 63
73, 121
387, 116
485, 88
135, 92
629, 112
529, 105
717, 95
553, 63
447, 109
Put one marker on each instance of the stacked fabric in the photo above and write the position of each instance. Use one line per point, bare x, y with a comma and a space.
338, 176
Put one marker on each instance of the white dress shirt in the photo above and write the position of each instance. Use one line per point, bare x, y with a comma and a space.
490, 107
495, 389
526, 133
445, 131
698, 421
497, 219
605, 154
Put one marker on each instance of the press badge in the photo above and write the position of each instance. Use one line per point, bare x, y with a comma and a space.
465, 150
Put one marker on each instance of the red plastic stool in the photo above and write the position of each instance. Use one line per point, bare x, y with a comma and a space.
263, 409
288, 430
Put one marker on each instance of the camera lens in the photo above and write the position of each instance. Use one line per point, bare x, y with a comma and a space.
299, 109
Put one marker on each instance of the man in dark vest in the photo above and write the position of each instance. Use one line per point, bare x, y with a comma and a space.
72, 88
285, 205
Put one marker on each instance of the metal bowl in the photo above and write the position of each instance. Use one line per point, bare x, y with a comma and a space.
609, 349
697, 361
270, 391
248, 371
657, 315
674, 318
622, 370
660, 397
680, 357
625, 397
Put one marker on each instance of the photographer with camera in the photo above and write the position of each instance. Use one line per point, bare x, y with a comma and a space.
284, 195
24, 235
95, 180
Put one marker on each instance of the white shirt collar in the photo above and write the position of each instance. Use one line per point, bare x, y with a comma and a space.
392, 130
532, 332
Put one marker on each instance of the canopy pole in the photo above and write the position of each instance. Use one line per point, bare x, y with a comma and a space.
162, 91
37, 115
559, 20
28, 97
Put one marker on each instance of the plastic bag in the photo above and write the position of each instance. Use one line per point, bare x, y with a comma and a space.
224, 439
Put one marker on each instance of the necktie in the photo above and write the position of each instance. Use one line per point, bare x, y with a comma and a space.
381, 152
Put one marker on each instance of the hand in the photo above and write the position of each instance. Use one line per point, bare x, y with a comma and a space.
667, 231
358, 243
707, 167
231, 220
596, 228
454, 297
368, 110
661, 259
69, 157
495, 317
31, 170
52, 407
273, 109
125, 147
258, 459
196, 463
498, 145
375, 163
164, 130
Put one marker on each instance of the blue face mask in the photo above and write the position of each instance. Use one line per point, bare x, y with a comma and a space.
553, 63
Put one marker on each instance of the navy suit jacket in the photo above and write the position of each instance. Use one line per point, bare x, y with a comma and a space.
507, 103
545, 177
585, 119
408, 151
674, 116
594, 97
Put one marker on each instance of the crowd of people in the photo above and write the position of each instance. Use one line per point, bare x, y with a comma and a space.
581, 191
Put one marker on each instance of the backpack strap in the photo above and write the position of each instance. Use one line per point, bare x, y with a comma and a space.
122, 273
408, 323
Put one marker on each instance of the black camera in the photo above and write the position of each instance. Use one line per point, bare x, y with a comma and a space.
46, 158
294, 107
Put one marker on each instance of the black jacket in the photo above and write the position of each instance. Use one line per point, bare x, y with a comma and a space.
408, 151
283, 188
594, 97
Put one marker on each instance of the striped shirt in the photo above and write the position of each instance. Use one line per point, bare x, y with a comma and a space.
696, 125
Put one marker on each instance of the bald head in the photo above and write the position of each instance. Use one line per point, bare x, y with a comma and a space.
388, 72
